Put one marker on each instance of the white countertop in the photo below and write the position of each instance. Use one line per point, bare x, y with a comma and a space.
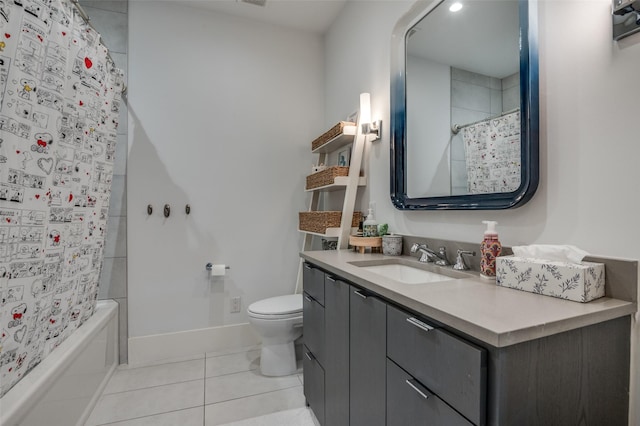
475, 306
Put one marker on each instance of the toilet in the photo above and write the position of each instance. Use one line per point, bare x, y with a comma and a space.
278, 321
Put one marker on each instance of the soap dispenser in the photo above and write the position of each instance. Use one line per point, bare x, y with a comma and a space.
490, 248
370, 226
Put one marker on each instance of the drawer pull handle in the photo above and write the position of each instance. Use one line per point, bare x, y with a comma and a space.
333, 280
364, 296
309, 298
306, 265
416, 388
421, 325
309, 356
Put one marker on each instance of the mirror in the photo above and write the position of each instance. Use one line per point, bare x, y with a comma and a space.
464, 105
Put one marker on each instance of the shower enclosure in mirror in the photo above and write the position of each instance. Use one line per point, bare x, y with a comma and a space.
464, 105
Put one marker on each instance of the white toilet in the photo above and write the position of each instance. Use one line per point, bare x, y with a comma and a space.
278, 321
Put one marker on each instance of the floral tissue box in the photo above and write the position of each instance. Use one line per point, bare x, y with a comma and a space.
572, 281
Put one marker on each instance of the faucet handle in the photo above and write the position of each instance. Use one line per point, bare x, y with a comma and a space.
442, 257
415, 247
460, 265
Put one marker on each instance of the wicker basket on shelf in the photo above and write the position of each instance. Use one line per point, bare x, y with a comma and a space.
330, 134
318, 222
326, 177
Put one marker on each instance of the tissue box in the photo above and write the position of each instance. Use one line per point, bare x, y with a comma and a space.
578, 282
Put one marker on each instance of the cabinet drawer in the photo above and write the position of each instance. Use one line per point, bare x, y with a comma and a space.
313, 326
313, 282
452, 368
410, 403
313, 384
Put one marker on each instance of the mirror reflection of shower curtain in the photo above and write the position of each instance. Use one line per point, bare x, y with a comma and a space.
59, 102
492, 149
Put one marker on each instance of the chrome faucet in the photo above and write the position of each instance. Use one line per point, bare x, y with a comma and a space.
460, 265
429, 255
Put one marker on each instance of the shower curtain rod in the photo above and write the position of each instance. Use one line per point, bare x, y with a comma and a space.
456, 127
87, 21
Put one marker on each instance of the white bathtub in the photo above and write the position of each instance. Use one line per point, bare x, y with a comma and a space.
64, 387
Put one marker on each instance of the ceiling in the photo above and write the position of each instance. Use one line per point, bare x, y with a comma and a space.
314, 16
483, 37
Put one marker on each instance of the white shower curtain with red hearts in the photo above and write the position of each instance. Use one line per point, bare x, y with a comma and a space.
59, 101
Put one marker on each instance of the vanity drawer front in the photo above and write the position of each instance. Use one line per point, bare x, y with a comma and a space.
313, 326
410, 403
452, 368
313, 282
313, 384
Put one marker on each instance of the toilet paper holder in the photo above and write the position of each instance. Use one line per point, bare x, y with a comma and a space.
209, 266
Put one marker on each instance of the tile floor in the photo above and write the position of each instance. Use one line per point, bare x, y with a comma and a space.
211, 389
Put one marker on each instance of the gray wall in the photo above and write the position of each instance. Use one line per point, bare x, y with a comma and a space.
109, 18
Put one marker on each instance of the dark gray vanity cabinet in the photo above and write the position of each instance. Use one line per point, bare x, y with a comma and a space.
367, 355
410, 403
326, 346
369, 362
314, 339
440, 367
336, 351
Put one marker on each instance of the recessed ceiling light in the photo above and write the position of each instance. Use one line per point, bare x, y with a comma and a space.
455, 7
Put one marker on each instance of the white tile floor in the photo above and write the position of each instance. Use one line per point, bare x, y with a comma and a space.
211, 389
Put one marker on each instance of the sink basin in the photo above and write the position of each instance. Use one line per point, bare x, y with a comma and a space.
406, 274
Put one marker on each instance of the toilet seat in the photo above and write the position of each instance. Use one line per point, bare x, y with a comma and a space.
277, 308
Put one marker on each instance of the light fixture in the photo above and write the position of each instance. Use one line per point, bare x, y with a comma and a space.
455, 7
368, 127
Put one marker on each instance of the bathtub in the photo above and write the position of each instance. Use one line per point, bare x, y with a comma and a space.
64, 387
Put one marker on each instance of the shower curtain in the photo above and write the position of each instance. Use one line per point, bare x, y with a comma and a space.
59, 101
492, 150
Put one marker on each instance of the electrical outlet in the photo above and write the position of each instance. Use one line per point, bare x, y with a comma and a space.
236, 303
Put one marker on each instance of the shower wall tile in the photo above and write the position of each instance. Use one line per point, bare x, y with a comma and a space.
121, 62
113, 279
123, 119
511, 81
463, 116
111, 20
112, 26
118, 201
120, 160
471, 77
511, 98
116, 241
470, 96
496, 101
123, 325
113, 6
458, 173
457, 147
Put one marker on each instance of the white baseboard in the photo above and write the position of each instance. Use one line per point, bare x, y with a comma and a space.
149, 349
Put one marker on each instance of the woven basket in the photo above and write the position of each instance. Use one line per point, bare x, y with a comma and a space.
330, 134
326, 177
319, 221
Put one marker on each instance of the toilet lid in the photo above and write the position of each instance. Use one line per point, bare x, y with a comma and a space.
288, 304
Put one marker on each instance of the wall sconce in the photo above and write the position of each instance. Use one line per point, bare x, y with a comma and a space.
368, 126
626, 18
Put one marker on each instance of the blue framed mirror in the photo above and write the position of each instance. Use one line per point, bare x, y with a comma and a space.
464, 105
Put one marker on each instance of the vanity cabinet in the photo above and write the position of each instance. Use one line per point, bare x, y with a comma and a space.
444, 364
336, 351
410, 403
370, 361
326, 346
367, 359
314, 339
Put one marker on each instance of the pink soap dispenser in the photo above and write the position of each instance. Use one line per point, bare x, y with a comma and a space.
490, 248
